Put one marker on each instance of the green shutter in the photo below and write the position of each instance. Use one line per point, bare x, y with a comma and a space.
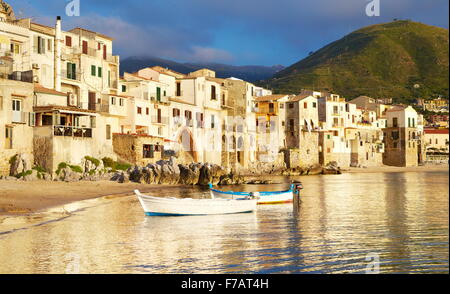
158, 93
99, 72
74, 71
93, 71
69, 70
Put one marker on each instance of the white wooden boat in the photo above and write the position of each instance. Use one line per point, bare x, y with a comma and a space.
268, 197
158, 206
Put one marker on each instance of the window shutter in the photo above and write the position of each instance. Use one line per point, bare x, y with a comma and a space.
93, 71
93, 122
74, 71
36, 44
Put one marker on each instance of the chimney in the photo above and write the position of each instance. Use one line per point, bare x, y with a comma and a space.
58, 44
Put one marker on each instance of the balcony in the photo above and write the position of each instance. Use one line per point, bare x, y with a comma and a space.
21, 76
75, 132
160, 120
112, 58
70, 75
19, 117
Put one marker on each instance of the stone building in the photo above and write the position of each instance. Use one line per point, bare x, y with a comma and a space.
402, 137
302, 130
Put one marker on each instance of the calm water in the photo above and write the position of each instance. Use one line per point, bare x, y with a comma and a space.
401, 217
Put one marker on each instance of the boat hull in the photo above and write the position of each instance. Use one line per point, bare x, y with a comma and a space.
264, 197
156, 206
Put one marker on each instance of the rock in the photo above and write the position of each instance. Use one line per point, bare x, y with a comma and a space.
67, 175
315, 169
19, 164
120, 177
189, 174
32, 177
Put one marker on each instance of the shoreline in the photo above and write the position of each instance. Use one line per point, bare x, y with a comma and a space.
18, 198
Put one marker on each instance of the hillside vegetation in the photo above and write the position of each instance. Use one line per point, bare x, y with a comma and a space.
401, 59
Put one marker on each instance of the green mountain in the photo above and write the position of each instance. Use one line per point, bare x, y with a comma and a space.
401, 59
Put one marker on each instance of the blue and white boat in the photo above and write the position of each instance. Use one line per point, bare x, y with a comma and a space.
267, 197
161, 206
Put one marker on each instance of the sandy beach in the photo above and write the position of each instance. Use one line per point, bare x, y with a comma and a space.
19, 197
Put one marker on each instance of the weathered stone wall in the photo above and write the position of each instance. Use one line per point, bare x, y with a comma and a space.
42, 149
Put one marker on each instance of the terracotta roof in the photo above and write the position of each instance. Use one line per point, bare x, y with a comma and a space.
436, 131
181, 101
269, 98
396, 108
40, 89
166, 71
56, 107
299, 97
135, 74
98, 34
122, 96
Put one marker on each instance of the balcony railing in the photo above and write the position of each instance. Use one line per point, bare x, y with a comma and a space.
160, 120
19, 117
102, 108
76, 132
70, 75
21, 76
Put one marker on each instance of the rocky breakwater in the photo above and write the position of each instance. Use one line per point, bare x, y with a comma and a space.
168, 172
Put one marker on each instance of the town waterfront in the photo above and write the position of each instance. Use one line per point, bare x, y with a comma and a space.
339, 222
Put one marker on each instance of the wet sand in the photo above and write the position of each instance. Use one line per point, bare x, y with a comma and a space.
19, 198
395, 169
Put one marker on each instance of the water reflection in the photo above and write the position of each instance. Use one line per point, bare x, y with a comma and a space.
402, 217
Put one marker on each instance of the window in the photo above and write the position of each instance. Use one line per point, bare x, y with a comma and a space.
147, 111
121, 101
50, 45
68, 41
291, 105
84, 47
314, 104
213, 93
8, 136
15, 48
113, 100
71, 71
148, 151
394, 122
1, 103
305, 105
40, 45
100, 72
176, 112
108, 132
124, 88
16, 105
158, 93
281, 105
139, 110
178, 92
93, 70
212, 121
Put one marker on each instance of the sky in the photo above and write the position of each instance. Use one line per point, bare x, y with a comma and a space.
238, 32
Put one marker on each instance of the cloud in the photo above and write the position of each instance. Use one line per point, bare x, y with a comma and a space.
204, 54
277, 31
